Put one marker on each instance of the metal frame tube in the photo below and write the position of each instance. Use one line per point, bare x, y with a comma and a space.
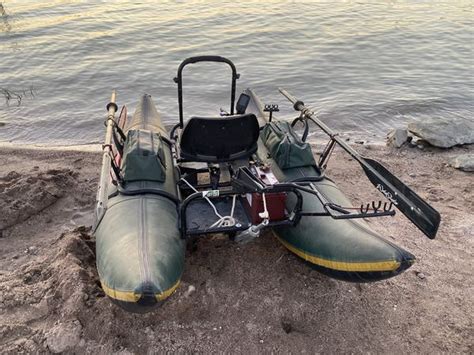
206, 58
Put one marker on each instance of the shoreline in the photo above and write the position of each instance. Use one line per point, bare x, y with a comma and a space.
258, 295
88, 147
97, 147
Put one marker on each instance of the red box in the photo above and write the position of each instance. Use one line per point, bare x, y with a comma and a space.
275, 206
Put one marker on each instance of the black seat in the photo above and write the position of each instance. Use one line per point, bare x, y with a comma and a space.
219, 139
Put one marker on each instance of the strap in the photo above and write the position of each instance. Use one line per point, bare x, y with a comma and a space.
118, 144
116, 169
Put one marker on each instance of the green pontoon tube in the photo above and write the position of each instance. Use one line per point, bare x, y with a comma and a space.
238, 173
140, 253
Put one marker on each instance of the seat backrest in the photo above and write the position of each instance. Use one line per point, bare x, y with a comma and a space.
219, 139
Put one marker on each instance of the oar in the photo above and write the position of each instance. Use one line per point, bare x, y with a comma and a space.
425, 217
101, 199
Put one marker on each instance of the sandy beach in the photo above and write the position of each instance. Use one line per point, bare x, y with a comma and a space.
234, 298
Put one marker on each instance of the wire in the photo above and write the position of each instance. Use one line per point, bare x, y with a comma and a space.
207, 198
226, 221
223, 221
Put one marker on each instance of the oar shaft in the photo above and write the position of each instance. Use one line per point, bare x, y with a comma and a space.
299, 106
106, 162
111, 109
291, 98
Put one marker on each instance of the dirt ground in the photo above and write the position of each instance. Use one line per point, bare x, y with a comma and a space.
234, 298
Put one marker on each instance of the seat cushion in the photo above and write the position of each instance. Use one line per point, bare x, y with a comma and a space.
219, 139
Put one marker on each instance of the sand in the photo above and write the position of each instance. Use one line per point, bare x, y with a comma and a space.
234, 298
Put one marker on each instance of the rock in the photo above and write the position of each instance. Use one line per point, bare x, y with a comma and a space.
12, 175
444, 133
189, 291
286, 326
464, 162
31, 250
359, 142
421, 275
414, 141
397, 137
63, 336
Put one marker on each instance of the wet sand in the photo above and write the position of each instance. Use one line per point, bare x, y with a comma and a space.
233, 298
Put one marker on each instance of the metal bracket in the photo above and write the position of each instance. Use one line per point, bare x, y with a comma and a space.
326, 154
271, 109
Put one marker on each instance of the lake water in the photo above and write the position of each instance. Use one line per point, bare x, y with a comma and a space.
366, 66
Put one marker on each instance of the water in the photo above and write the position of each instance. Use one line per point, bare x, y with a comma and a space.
364, 66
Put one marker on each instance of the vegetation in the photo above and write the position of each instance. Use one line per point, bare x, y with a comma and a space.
9, 94
16, 95
4, 24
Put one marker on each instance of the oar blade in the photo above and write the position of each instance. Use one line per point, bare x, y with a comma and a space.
417, 210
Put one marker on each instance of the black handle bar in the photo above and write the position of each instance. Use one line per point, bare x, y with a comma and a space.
204, 58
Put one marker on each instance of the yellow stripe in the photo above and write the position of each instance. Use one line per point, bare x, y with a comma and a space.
165, 294
131, 296
389, 265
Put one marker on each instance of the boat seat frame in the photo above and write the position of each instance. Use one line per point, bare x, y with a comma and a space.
194, 146
244, 182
